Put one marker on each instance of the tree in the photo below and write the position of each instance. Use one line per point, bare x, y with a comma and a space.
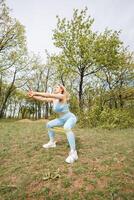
14, 60
116, 65
40, 79
76, 40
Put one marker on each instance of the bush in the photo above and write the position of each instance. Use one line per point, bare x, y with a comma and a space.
108, 118
113, 118
94, 116
90, 118
82, 120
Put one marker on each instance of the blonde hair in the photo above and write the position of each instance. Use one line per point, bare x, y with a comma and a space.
64, 91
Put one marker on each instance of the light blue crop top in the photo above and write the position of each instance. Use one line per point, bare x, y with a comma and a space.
60, 107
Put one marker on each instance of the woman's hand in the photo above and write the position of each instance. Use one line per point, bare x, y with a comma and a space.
31, 93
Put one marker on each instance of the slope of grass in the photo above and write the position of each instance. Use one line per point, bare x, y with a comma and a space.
105, 169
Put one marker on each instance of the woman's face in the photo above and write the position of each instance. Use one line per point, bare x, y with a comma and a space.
57, 89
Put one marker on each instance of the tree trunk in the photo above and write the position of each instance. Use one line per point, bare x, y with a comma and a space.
9, 91
121, 101
81, 90
51, 108
36, 112
46, 110
15, 105
39, 110
0, 86
62, 80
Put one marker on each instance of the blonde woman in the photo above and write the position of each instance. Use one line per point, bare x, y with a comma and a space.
66, 118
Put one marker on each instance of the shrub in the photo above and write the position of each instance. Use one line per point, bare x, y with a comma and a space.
107, 118
113, 118
90, 118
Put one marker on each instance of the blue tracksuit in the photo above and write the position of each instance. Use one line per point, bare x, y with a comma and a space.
66, 119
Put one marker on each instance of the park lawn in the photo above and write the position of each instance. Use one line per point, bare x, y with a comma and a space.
105, 169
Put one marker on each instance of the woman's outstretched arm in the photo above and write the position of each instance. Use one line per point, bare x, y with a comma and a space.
47, 95
42, 98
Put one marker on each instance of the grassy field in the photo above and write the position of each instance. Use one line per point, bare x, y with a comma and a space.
104, 171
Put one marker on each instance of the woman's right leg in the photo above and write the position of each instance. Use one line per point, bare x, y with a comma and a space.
51, 124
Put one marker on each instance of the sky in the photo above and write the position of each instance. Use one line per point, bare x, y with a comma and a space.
39, 19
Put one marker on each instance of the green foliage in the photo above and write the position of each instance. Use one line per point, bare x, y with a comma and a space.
108, 118
113, 118
107, 49
94, 116
90, 118
14, 58
74, 103
76, 39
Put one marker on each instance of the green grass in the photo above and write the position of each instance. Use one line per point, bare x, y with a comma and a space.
105, 169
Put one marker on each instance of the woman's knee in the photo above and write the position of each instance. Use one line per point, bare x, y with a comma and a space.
67, 127
48, 124
70, 124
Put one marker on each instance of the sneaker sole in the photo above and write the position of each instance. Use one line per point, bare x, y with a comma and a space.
71, 162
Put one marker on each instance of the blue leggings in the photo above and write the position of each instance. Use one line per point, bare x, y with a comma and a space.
68, 121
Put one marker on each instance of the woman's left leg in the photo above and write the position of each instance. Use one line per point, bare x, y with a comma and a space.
69, 124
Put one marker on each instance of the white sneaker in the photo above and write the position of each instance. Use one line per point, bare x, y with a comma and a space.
72, 157
50, 144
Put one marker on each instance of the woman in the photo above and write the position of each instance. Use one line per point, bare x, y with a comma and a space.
66, 118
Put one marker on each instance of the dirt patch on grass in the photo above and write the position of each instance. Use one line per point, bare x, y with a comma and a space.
35, 121
25, 120
102, 182
14, 180
78, 183
35, 186
42, 120
90, 187
70, 171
